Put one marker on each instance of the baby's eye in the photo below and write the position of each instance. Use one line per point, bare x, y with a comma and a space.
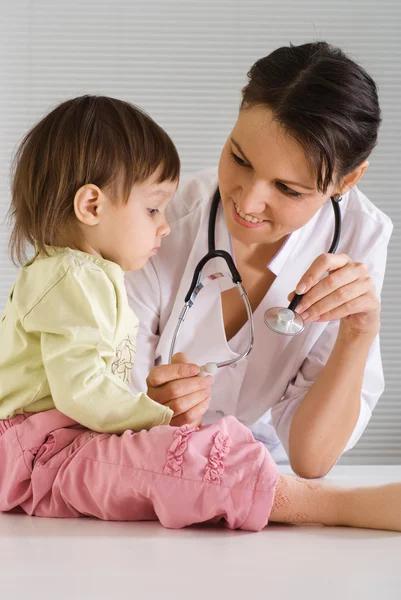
153, 211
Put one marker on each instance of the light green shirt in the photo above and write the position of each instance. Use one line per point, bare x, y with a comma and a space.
67, 341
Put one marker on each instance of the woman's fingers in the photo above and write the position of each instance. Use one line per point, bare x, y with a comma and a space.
345, 296
193, 416
335, 280
337, 292
335, 288
177, 387
163, 374
186, 404
364, 305
323, 264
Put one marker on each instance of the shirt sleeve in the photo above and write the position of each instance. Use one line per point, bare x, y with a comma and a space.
76, 321
143, 290
373, 381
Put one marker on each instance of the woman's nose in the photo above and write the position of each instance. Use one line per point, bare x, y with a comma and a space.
254, 200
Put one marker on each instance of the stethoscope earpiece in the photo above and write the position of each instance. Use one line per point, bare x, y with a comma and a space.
209, 368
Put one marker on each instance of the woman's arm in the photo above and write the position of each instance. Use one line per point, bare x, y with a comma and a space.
330, 403
326, 417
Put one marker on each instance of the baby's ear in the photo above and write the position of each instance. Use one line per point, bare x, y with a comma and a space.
87, 203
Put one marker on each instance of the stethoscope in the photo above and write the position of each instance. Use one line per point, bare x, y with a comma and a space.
279, 319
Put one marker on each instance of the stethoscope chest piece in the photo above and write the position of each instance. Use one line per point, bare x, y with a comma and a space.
284, 321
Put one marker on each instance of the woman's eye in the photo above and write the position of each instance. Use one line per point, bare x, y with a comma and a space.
153, 211
239, 160
288, 191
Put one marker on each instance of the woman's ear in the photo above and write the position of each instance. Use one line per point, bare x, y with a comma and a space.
87, 204
352, 178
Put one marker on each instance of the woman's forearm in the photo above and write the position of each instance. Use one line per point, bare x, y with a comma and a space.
326, 417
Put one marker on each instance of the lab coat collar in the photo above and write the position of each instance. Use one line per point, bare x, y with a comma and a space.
293, 241
280, 258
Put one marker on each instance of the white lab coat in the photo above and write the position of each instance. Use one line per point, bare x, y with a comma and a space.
264, 390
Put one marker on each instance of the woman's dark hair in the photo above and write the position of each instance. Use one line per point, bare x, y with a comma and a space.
90, 139
324, 100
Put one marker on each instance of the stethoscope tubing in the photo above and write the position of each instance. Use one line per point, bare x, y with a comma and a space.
236, 277
334, 244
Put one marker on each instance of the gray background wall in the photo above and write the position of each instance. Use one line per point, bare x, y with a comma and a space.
185, 63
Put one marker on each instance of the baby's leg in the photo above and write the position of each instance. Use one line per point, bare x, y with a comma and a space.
178, 475
302, 501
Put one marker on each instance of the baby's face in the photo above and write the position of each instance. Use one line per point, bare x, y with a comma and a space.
129, 234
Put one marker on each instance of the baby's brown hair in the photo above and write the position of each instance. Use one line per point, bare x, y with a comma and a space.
91, 139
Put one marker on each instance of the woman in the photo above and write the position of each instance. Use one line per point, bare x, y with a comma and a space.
308, 122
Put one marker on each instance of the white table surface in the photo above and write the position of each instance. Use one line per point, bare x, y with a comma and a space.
58, 559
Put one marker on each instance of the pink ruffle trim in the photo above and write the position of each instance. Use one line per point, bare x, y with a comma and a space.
215, 466
175, 455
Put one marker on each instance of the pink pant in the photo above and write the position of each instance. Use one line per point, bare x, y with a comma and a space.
52, 467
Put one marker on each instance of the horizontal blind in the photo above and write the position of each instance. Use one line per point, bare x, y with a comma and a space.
185, 63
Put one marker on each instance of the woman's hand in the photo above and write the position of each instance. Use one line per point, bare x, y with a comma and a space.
178, 387
347, 293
